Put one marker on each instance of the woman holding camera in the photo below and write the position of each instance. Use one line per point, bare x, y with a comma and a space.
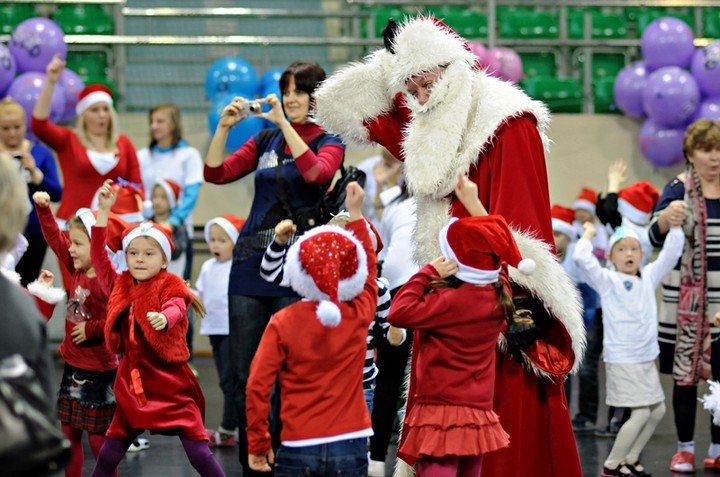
293, 165
37, 166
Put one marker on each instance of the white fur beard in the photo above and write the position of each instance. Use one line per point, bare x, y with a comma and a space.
432, 215
435, 136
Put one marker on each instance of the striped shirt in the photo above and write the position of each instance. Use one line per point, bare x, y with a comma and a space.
667, 326
271, 269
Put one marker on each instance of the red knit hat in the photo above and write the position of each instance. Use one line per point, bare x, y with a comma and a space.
562, 220
172, 190
586, 200
229, 223
480, 245
92, 94
637, 201
160, 234
329, 265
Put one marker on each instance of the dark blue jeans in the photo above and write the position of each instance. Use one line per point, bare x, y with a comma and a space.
221, 355
249, 315
342, 458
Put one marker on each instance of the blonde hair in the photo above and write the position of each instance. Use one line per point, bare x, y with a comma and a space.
9, 106
340, 220
173, 114
13, 202
112, 134
703, 134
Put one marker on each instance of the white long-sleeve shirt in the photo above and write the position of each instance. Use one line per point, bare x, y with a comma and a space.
628, 302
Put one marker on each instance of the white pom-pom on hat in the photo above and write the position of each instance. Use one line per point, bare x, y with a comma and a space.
527, 266
328, 313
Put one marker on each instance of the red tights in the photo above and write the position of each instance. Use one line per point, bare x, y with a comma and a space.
77, 454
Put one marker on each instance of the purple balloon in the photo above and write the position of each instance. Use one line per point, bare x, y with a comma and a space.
708, 109
667, 41
671, 96
26, 90
509, 64
34, 42
73, 85
478, 49
660, 145
7, 69
628, 89
705, 68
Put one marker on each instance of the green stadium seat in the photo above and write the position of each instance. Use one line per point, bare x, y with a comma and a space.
604, 25
538, 64
603, 64
468, 23
84, 19
381, 15
648, 15
524, 24
103, 80
711, 22
12, 14
87, 63
562, 95
603, 91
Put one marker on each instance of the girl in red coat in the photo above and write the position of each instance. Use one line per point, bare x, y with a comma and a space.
457, 306
147, 323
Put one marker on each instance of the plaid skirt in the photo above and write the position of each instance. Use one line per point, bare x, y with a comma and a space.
86, 399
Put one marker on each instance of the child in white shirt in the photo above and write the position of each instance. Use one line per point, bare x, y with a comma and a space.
630, 344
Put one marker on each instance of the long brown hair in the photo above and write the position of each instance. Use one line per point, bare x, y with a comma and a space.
502, 287
173, 113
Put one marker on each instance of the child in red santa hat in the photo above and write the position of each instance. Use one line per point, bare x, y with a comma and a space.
457, 305
165, 195
317, 347
221, 233
147, 323
85, 401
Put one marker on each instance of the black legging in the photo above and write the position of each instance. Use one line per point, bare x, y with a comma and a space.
685, 402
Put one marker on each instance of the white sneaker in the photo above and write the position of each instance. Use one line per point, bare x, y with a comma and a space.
376, 468
139, 444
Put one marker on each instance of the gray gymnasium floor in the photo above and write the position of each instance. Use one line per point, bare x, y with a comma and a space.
165, 457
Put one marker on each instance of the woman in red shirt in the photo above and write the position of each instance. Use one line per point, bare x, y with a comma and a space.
93, 153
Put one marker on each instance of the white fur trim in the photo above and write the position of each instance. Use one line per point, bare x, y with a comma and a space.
711, 401
354, 94
11, 275
132, 217
527, 266
432, 215
146, 229
301, 281
564, 228
402, 469
328, 313
584, 204
224, 224
172, 200
553, 287
421, 45
51, 295
87, 218
465, 273
92, 98
632, 213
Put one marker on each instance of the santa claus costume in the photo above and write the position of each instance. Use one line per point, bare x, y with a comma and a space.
155, 389
494, 133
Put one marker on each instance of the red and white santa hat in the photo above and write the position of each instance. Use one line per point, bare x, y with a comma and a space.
480, 245
115, 227
424, 43
586, 200
562, 220
637, 201
172, 190
157, 232
129, 203
92, 94
229, 223
328, 265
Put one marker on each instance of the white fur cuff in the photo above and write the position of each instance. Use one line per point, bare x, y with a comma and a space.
51, 295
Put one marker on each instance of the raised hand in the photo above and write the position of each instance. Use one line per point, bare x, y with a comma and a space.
107, 196
589, 231
354, 195
46, 277
617, 174
467, 193
41, 199
675, 213
276, 115
445, 267
233, 113
54, 68
284, 230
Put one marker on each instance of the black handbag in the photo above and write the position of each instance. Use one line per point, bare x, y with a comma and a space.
31, 442
334, 199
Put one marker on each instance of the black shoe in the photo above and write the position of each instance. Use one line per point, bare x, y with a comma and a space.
637, 470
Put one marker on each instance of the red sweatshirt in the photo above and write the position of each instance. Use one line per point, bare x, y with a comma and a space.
87, 295
81, 180
320, 367
455, 349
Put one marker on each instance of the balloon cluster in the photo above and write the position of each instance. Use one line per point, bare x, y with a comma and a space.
500, 62
32, 45
230, 77
674, 85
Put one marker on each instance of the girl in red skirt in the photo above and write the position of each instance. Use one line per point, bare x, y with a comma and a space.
147, 323
457, 306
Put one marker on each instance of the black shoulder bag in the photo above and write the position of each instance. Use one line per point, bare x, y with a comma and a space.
31, 442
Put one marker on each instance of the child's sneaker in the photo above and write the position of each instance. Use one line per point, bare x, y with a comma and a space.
683, 462
222, 438
139, 444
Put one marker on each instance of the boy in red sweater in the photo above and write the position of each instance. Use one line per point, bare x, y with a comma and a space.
317, 346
